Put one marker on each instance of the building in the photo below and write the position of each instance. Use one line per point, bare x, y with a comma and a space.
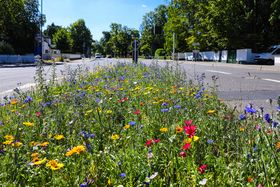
48, 49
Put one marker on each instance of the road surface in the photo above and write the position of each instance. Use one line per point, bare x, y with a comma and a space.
237, 84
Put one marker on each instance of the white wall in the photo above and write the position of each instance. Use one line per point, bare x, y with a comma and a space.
277, 60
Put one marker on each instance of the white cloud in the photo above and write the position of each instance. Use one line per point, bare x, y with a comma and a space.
144, 6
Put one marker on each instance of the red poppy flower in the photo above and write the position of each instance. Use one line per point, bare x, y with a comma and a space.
188, 122
190, 130
202, 168
137, 112
187, 146
149, 143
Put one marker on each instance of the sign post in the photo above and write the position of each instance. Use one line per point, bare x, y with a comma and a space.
135, 51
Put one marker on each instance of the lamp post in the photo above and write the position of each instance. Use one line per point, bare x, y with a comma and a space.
41, 29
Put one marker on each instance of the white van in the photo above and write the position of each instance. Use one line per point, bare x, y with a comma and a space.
267, 57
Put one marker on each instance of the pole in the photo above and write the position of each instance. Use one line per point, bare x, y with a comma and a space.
41, 30
135, 51
173, 53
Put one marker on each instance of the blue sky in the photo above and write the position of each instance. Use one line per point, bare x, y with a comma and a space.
98, 14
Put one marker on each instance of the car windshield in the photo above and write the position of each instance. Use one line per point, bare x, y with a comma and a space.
269, 50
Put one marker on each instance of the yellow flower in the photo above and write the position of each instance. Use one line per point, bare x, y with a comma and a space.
34, 154
36, 161
109, 112
163, 130
33, 143
188, 140
28, 124
88, 112
278, 145
54, 165
211, 111
195, 138
14, 101
76, 150
115, 137
241, 129
44, 144
9, 137
17, 144
59, 137
126, 126
8, 142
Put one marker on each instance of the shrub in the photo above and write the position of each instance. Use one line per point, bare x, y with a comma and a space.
160, 52
6, 48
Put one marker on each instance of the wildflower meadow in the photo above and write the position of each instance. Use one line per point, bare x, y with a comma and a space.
134, 125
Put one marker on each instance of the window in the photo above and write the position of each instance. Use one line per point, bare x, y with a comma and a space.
46, 51
277, 52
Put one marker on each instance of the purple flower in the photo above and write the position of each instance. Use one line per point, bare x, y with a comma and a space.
242, 117
177, 106
164, 110
28, 99
132, 123
278, 108
1, 123
164, 104
274, 124
210, 141
258, 127
2, 104
123, 175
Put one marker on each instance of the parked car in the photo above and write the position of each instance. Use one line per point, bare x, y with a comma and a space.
267, 57
97, 55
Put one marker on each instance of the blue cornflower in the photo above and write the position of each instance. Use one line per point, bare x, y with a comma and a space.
132, 123
274, 124
267, 118
278, 108
177, 106
97, 100
121, 78
2, 104
250, 109
123, 175
242, 117
255, 148
164, 110
1, 123
199, 93
210, 141
164, 104
28, 99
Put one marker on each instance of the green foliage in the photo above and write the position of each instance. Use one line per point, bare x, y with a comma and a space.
51, 30
81, 36
19, 23
63, 41
160, 52
6, 48
152, 35
118, 41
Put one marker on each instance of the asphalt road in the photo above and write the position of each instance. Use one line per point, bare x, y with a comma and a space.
237, 84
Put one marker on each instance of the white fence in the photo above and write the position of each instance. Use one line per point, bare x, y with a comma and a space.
71, 56
8, 59
206, 56
277, 60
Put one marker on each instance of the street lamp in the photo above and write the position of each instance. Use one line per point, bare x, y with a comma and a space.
41, 29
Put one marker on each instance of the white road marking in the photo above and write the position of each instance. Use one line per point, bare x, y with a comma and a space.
221, 72
272, 80
25, 86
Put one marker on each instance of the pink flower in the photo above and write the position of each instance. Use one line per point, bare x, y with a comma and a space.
202, 168
190, 130
188, 122
182, 154
187, 146
156, 140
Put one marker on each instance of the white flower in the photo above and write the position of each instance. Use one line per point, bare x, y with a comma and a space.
203, 182
153, 175
150, 155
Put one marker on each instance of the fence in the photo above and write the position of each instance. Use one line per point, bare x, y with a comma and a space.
14, 59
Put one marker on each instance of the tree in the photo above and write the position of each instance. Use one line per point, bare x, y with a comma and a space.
51, 30
63, 41
81, 36
152, 34
20, 22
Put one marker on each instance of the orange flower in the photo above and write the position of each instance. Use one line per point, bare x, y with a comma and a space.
14, 101
250, 179
44, 144
179, 129
278, 145
76, 150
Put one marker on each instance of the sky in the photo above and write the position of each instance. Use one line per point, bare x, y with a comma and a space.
98, 14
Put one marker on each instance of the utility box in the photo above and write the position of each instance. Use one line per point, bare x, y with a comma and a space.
244, 56
277, 60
